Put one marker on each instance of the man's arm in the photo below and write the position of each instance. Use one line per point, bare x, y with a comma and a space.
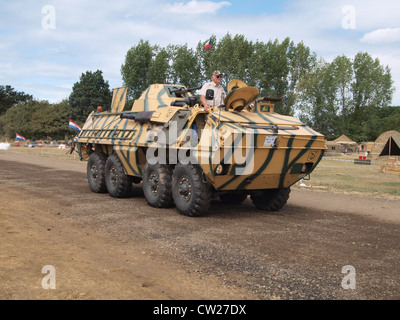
204, 102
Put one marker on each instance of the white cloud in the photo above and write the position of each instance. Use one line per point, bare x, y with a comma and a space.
196, 7
382, 35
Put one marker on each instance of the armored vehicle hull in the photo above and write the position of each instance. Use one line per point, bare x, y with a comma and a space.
185, 156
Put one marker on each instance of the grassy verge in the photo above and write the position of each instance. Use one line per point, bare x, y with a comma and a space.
342, 175
48, 152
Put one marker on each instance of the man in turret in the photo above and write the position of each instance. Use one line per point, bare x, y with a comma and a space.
212, 94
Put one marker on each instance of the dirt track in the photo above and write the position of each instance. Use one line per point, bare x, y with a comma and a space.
106, 248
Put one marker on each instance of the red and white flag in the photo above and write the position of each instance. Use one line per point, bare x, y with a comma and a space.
207, 46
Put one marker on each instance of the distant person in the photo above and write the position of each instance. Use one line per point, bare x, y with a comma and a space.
212, 94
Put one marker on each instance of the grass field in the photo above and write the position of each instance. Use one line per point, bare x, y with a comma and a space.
338, 174
49, 152
342, 175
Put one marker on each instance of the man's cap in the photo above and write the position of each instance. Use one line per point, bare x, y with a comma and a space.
217, 73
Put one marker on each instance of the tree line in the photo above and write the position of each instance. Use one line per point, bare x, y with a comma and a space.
349, 95
39, 119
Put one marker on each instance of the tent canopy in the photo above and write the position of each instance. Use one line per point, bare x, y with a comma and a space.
392, 147
343, 139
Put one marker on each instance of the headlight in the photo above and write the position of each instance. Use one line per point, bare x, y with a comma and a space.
219, 169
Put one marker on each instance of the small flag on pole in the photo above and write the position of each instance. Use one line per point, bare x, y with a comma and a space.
20, 138
207, 46
73, 125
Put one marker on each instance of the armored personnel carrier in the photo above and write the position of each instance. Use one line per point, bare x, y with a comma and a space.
185, 157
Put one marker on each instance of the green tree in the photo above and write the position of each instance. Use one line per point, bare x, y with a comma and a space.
349, 94
135, 70
390, 119
18, 119
37, 120
51, 121
342, 68
318, 99
372, 89
273, 67
9, 98
185, 68
372, 85
160, 69
206, 59
232, 56
270, 69
343, 96
301, 62
87, 94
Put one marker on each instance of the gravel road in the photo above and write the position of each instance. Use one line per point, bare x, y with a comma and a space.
106, 248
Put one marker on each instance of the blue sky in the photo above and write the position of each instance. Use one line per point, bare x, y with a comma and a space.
46, 45
256, 6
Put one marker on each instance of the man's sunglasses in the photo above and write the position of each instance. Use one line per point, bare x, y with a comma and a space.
220, 76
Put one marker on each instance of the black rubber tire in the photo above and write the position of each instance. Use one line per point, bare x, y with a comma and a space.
119, 185
272, 199
233, 197
157, 185
96, 172
192, 196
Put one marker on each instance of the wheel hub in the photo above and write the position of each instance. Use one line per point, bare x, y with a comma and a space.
94, 172
153, 183
185, 188
114, 176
